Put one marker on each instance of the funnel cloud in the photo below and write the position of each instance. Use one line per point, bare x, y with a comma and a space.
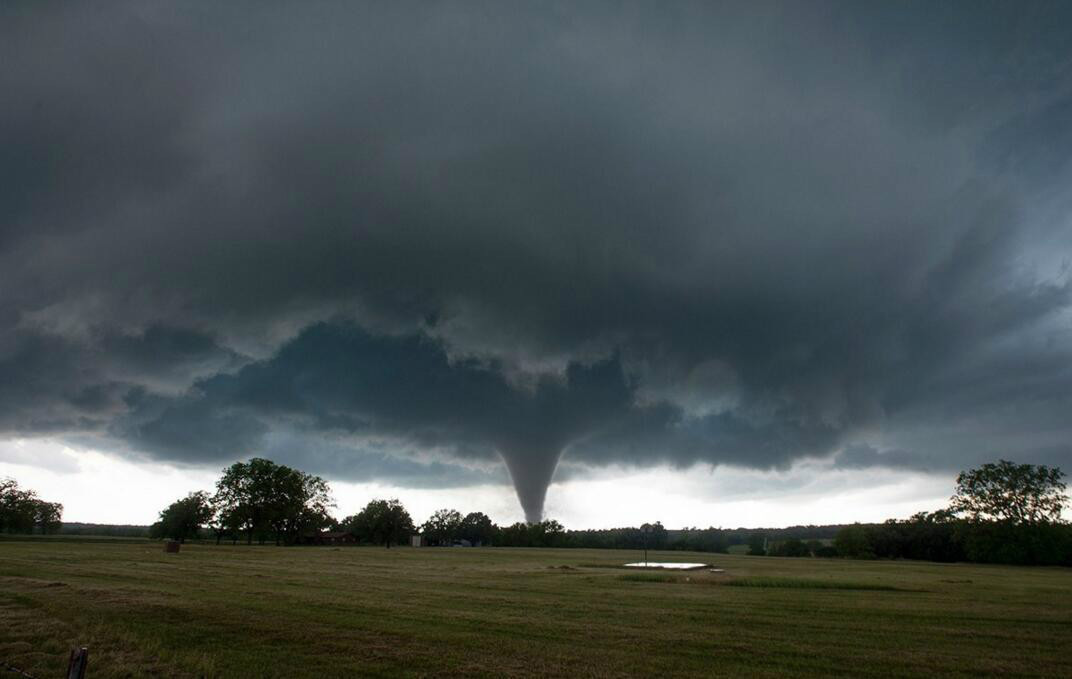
468, 244
531, 470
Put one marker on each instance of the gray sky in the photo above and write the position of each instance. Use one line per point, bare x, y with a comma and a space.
705, 250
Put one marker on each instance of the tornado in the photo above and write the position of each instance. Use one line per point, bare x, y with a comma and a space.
531, 467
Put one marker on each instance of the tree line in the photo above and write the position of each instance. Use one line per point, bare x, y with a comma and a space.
1000, 513
22, 511
263, 501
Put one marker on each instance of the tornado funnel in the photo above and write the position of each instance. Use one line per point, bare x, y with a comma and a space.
531, 470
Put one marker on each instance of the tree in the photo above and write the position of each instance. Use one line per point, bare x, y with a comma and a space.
757, 545
854, 542
381, 522
183, 518
235, 499
296, 502
790, 547
546, 533
478, 528
21, 510
260, 496
49, 516
514, 535
443, 527
219, 522
700, 540
1010, 493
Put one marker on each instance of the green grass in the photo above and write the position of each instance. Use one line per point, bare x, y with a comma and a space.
804, 583
648, 577
313, 612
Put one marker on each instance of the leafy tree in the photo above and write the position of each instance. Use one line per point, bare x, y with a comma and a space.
443, 527
218, 523
854, 542
478, 528
381, 522
297, 503
1011, 493
235, 499
514, 535
699, 540
183, 518
756, 545
657, 537
260, 496
547, 533
49, 516
21, 510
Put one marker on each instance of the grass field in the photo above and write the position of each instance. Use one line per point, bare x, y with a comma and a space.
293, 612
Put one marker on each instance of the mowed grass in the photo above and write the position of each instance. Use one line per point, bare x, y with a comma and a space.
267, 611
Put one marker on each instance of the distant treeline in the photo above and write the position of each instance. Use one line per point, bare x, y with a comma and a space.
1001, 513
940, 537
545, 534
552, 534
927, 537
449, 526
103, 529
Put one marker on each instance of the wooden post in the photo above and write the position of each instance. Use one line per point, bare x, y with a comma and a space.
646, 529
76, 668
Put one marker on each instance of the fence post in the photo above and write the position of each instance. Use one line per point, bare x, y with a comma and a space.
76, 668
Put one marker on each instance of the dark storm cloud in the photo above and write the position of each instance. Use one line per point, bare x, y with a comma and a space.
338, 379
863, 456
51, 383
739, 234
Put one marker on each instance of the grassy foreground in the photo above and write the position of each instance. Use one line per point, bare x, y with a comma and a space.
321, 611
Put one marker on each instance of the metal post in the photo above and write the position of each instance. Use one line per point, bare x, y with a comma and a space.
646, 529
76, 668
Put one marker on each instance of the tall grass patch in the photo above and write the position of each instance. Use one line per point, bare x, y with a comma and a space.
805, 583
648, 577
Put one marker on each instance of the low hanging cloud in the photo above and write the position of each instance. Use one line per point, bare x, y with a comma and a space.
404, 242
